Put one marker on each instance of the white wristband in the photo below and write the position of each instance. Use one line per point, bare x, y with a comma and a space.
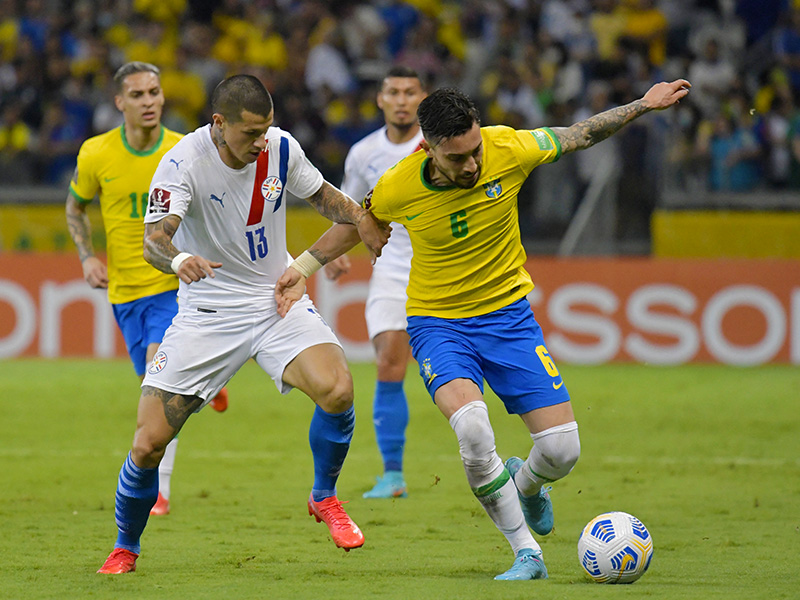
306, 264
178, 260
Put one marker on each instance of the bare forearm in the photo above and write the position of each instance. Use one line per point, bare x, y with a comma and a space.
589, 132
158, 248
336, 241
79, 229
332, 204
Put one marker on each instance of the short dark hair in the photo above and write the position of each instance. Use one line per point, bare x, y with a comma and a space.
402, 71
132, 68
446, 113
238, 93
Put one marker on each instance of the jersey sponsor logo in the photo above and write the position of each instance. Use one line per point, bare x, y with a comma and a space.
493, 188
158, 363
555, 387
216, 198
110, 179
542, 139
367, 202
271, 188
412, 218
177, 163
159, 201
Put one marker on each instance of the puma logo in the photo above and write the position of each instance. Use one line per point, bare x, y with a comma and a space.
177, 163
213, 197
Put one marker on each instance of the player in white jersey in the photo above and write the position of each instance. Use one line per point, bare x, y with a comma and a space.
400, 94
217, 218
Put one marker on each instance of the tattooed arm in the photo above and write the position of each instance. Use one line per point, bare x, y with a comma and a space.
588, 132
159, 251
333, 204
94, 271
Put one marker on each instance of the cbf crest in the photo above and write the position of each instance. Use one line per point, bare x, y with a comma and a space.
493, 188
271, 188
427, 372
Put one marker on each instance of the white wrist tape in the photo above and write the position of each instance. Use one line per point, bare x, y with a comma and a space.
306, 264
178, 260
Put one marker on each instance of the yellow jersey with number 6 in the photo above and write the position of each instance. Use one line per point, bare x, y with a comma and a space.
120, 177
468, 257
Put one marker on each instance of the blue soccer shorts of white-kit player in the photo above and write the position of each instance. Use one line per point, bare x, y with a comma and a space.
205, 347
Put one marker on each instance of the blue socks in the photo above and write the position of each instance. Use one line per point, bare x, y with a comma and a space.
390, 417
329, 437
137, 491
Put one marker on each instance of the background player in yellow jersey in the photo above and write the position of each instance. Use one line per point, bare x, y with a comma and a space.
117, 167
468, 318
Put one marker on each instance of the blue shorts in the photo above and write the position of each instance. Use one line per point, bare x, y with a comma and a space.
506, 347
143, 322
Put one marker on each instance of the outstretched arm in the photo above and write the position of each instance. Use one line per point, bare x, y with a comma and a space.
332, 204
159, 252
94, 271
588, 132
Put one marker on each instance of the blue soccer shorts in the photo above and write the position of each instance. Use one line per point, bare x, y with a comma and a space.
505, 347
143, 322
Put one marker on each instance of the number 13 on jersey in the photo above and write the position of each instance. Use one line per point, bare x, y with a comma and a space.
257, 242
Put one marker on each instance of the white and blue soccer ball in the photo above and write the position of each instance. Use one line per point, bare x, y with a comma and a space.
615, 547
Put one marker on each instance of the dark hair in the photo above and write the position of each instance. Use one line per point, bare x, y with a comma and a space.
238, 93
132, 68
402, 71
446, 113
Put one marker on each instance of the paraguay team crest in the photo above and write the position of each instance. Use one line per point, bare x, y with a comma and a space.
158, 363
271, 188
493, 188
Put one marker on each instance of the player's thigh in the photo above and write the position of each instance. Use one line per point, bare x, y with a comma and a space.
444, 352
392, 352
281, 341
321, 372
201, 352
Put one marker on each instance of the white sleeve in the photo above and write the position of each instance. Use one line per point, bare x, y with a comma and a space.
170, 193
303, 178
354, 184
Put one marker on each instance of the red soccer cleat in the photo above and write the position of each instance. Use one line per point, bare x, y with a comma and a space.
344, 532
161, 507
220, 401
119, 561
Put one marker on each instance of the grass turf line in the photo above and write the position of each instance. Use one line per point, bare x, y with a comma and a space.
707, 456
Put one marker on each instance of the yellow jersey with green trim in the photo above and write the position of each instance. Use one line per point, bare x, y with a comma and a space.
120, 177
468, 256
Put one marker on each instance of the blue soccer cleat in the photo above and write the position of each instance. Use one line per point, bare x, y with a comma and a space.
391, 485
538, 509
527, 565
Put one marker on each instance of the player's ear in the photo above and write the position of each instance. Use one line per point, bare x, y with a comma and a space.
379, 98
425, 146
118, 102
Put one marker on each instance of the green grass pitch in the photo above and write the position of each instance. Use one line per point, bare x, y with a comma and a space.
708, 457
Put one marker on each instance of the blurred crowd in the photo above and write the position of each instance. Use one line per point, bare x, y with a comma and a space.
527, 63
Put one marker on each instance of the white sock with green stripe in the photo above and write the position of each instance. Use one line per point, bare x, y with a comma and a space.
486, 475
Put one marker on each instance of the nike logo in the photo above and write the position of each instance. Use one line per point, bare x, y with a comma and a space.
555, 387
110, 179
412, 218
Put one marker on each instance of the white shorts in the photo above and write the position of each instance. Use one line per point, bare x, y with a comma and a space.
386, 301
201, 351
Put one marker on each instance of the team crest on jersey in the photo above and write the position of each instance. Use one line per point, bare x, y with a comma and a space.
158, 363
159, 201
271, 188
493, 188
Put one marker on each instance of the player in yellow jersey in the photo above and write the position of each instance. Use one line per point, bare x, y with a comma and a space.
468, 318
117, 167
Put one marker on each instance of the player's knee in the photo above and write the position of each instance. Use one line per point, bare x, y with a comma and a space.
335, 394
390, 368
148, 449
475, 436
556, 450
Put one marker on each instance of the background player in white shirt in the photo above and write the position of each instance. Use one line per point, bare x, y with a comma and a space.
220, 196
400, 94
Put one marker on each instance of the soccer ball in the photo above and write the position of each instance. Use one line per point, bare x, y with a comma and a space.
615, 547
